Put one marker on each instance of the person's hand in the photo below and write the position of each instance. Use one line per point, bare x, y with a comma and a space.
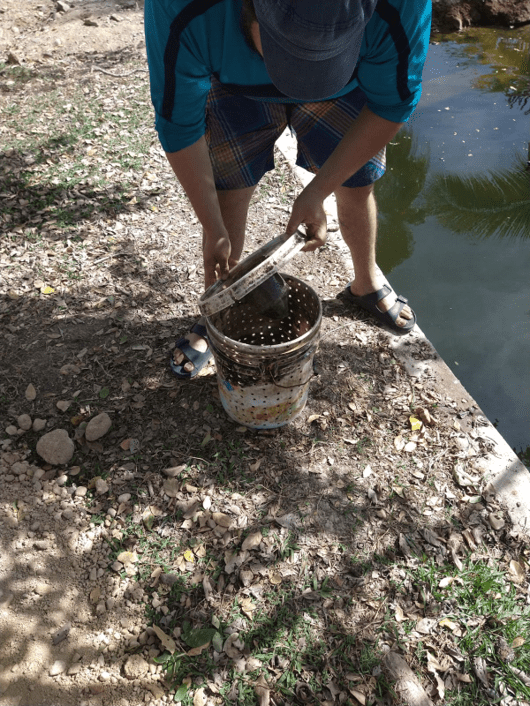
309, 210
216, 256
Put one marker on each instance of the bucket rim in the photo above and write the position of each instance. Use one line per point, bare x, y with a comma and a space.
278, 347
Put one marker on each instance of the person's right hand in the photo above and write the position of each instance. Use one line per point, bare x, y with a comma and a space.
216, 256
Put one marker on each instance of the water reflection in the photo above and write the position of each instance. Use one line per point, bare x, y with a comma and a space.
482, 205
396, 193
505, 52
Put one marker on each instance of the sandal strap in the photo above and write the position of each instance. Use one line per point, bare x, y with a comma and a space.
199, 329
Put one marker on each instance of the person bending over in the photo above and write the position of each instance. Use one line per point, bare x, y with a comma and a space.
228, 76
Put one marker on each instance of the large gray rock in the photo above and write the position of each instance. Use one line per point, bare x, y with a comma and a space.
56, 447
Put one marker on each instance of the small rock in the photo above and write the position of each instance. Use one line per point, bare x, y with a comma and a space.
11, 430
58, 667
62, 6
31, 393
124, 498
61, 634
81, 491
98, 427
89, 22
135, 667
101, 486
169, 579
116, 566
6, 599
63, 405
74, 669
104, 676
41, 544
157, 691
24, 422
38, 424
115, 18
13, 59
496, 520
56, 447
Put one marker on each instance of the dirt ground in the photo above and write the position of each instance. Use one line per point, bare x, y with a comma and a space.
92, 548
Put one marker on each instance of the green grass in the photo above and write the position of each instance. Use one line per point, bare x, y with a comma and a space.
486, 606
86, 162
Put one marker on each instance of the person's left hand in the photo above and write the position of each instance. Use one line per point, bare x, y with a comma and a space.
309, 210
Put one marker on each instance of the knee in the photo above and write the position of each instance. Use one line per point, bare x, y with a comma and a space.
354, 202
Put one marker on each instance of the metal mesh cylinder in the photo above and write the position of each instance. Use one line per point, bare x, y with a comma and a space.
264, 365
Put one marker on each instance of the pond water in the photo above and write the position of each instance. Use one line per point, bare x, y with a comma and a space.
455, 218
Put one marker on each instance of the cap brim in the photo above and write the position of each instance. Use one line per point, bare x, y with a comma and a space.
307, 80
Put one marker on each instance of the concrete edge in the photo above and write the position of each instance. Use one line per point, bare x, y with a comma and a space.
501, 467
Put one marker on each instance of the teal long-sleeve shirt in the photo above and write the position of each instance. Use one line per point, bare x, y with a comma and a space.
189, 41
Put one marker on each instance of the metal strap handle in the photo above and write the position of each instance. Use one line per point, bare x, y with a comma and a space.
250, 273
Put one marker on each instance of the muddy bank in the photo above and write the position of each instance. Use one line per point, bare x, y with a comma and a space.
454, 15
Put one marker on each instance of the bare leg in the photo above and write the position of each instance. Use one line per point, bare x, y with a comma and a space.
234, 208
357, 213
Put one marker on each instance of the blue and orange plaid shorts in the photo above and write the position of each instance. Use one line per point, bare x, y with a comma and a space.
241, 134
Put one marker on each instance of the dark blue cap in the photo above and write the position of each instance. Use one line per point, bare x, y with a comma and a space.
311, 47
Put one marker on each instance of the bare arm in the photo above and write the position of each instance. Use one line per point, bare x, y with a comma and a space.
365, 138
193, 169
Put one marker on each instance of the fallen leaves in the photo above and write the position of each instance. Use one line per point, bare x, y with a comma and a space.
167, 642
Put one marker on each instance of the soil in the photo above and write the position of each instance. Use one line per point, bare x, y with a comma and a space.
75, 630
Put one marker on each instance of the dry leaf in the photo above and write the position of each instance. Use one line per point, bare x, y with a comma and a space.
275, 577
400, 615
440, 686
415, 423
195, 651
200, 698
262, 691
167, 641
516, 571
207, 588
221, 519
480, 669
361, 698
171, 487
248, 607
518, 642
252, 541
254, 466
230, 646
425, 625
446, 623
399, 443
